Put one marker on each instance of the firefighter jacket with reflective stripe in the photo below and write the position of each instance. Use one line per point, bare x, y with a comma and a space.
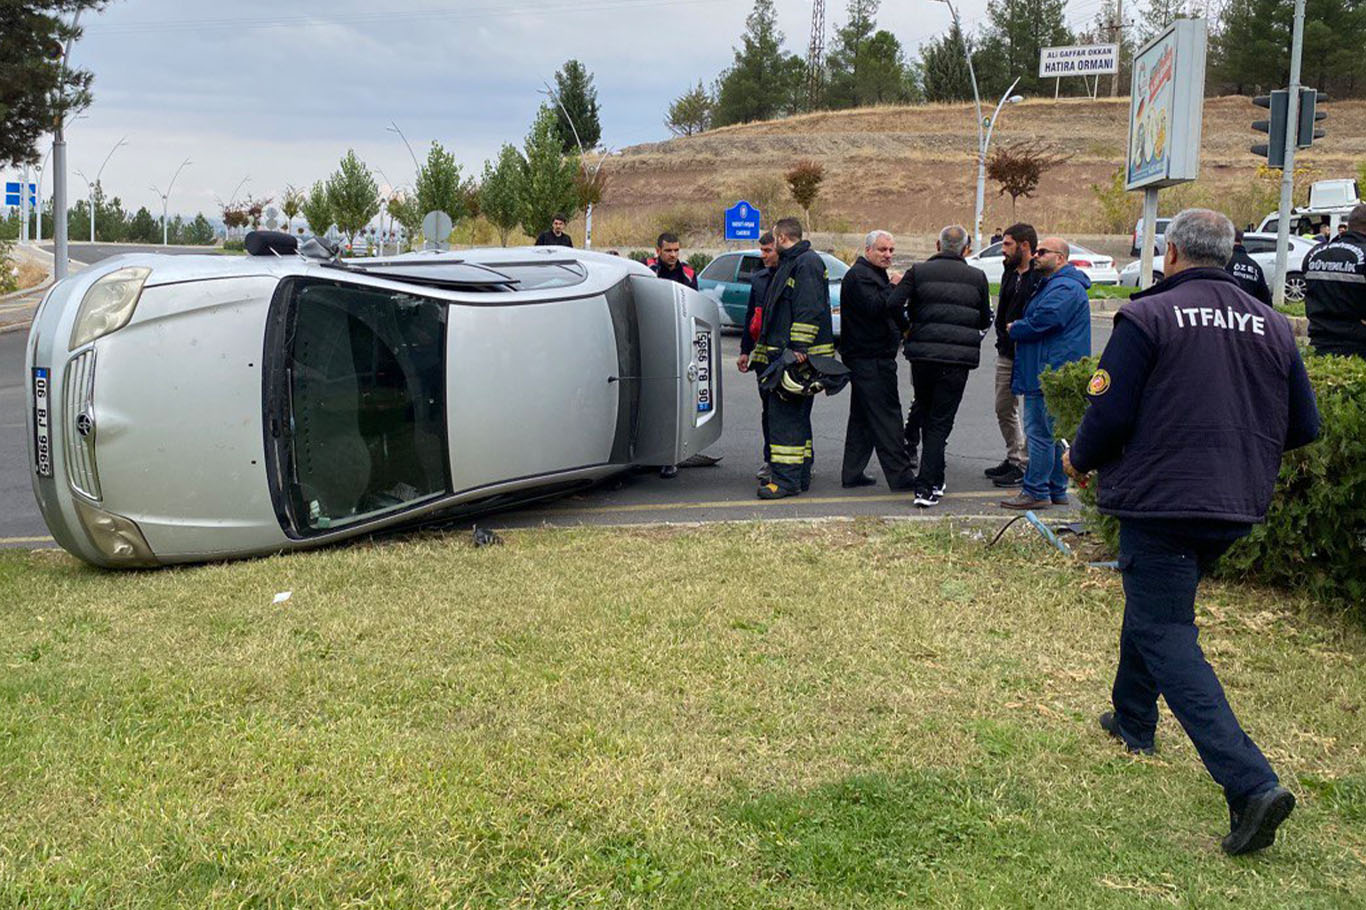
797, 307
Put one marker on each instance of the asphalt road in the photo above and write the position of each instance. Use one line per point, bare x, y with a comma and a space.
723, 492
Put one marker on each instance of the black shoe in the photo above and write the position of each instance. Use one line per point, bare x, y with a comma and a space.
1255, 827
1011, 477
927, 498
668, 471
863, 480
1002, 468
1110, 724
773, 491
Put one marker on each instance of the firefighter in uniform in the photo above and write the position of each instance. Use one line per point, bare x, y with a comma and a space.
796, 319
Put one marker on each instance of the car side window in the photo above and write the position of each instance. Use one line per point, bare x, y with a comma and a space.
1258, 246
748, 266
992, 251
722, 268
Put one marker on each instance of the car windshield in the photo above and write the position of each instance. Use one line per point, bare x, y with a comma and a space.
366, 414
835, 268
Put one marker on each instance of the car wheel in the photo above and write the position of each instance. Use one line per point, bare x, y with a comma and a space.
1295, 287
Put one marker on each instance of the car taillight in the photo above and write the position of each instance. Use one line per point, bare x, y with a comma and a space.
1081, 263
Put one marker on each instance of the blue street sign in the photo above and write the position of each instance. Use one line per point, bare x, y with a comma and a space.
12, 194
742, 222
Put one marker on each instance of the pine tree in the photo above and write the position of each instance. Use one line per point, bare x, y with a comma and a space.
1017, 31
866, 65
690, 112
944, 68
759, 84
577, 95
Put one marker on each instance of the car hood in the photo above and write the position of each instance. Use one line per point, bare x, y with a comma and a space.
178, 418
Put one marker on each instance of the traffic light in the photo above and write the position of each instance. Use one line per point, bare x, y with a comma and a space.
1309, 115
1278, 102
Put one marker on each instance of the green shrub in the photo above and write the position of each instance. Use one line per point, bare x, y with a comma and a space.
233, 245
1314, 538
640, 255
8, 277
700, 261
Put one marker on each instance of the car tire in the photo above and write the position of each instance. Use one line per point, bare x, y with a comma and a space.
1295, 286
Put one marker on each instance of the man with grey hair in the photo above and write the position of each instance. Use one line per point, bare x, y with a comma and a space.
871, 330
1199, 392
948, 305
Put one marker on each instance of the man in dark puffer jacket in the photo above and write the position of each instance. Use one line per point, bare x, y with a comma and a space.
948, 303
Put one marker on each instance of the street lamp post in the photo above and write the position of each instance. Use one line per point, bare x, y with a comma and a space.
393, 128
165, 197
977, 100
587, 209
1007, 98
91, 186
60, 246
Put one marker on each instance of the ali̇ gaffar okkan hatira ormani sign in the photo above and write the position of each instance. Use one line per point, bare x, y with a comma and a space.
1084, 60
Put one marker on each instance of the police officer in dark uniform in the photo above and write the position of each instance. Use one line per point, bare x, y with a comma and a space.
1199, 391
1246, 271
870, 336
749, 334
1335, 290
797, 320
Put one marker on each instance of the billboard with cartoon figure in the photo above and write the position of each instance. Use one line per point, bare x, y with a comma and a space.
1165, 107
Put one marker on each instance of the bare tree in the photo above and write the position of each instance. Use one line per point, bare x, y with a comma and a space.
1017, 167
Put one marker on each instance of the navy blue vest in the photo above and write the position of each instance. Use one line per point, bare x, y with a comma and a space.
1212, 421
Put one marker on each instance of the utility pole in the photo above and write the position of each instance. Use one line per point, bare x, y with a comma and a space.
1288, 168
1117, 36
60, 246
815, 54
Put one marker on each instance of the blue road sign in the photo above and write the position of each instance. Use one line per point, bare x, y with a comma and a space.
742, 222
12, 194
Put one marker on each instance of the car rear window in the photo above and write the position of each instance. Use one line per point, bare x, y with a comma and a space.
366, 403
722, 268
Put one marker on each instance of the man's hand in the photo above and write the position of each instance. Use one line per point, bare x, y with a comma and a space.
743, 363
1009, 325
1070, 470
801, 357
894, 277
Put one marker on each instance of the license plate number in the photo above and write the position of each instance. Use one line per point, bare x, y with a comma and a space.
42, 420
701, 344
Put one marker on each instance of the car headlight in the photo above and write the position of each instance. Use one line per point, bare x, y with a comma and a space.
108, 305
119, 539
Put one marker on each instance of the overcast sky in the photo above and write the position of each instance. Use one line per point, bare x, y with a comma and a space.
278, 91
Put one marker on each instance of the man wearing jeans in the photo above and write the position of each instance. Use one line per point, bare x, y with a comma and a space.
1054, 331
1200, 390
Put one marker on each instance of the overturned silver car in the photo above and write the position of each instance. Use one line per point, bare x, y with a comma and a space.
192, 408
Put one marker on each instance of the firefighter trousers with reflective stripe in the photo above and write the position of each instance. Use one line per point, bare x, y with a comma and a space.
789, 435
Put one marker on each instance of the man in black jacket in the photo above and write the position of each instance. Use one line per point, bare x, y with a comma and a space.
1199, 391
1335, 290
556, 235
871, 330
1246, 271
948, 304
749, 334
1018, 284
667, 264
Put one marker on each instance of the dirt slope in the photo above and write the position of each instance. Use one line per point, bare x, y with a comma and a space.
913, 169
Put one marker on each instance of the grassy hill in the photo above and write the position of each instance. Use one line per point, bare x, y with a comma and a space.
912, 169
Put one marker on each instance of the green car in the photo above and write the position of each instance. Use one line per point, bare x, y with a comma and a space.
726, 280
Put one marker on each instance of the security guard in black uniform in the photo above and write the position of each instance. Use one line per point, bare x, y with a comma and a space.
797, 319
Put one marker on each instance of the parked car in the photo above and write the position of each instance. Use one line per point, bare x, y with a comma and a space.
1330, 202
1262, 248
1159, 236
1097, 266
726, 280
191, 408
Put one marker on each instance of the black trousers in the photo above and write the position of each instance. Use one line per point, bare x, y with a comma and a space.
1159, 653
763, 417
875, 423
938, 390
789, 433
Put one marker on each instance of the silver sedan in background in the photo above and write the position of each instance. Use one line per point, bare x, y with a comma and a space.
192, 408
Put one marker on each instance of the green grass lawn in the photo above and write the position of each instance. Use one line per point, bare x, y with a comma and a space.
647, 717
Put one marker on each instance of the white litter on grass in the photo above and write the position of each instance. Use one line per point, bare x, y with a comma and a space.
282, 597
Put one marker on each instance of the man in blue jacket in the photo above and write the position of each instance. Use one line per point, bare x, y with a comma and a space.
1199, 391
1055, 330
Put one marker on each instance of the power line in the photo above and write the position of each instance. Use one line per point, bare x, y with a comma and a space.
382, 18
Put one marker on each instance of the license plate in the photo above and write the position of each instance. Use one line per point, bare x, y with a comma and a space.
42, 420
701, 345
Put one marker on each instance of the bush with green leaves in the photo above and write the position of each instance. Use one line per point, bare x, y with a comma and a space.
640, 255
700, 261
1314, 537
9, 278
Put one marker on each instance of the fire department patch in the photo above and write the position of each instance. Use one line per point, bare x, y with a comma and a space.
1099, 384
